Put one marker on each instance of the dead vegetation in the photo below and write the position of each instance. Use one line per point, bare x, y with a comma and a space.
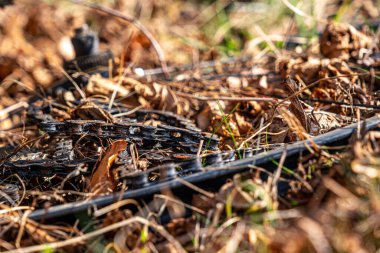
277, 94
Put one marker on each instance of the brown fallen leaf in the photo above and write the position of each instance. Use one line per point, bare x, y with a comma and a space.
244, 126
102, 181
100, 85
343, 41
295, 104
88, 110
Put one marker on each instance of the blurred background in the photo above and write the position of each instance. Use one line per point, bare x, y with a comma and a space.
34, 35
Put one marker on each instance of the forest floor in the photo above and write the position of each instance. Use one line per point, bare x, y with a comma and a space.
229, 76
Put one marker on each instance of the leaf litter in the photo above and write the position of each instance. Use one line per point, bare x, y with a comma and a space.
259, 102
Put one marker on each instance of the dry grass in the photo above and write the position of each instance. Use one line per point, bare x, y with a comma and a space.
333, 202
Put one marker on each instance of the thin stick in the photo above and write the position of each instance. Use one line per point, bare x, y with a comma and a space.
116, 205
277, 175
225, 225
267, 40
22, 228
23, 188
20, 105
129, 112
200, 148
116, 89
81, 93
195, 188
12, 209
79, 239
237, 99
254, 135
302, 13
165, 197
159, 52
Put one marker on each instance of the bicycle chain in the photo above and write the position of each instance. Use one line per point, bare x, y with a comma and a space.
160, 137
175, 134
182, 165
178, 133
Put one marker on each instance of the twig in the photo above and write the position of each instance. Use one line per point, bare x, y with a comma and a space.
316, 234
16, 107
116, 205
277, 175
200, 148
6, 245
137, 24
254, 135
302, 13
326, 101
22, 228
237, 99
232, 245
225, 225
128, 112
12, 209
76, 240
168, 198
116, 89
81, 92
267, 40
196, 188
23, 188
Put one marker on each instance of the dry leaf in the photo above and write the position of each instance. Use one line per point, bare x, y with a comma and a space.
100, 85
102, 180
203, 118
88, 110
295, 104
243, 125
343, 41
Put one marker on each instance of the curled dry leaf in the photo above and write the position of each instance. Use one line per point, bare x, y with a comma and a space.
88, 110
223, 129
102, 180
322, 122
297, 131
308, 68
100, 85
203, 118
296, 106
243, 125
343, 41
158, 96
312, 69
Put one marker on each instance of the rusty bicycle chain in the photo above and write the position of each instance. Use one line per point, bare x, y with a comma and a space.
178, 137
173, 132
179, 134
